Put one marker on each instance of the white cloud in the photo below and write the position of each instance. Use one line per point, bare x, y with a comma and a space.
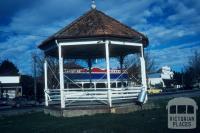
175, 56
132, 12
157, 10
30, 26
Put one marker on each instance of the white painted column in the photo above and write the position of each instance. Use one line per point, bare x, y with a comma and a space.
108, 74
143, 72
62, 97
143, 69
95, 85
45, 83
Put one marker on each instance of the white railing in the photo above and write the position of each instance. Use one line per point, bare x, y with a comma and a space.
94, 94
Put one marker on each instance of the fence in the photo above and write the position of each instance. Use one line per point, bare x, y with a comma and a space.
93, 94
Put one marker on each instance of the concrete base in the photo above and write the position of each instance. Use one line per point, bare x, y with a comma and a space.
88, 111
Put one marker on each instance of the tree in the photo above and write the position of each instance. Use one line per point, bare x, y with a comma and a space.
27, 84
178, 78
8, 68
194, 65
52, 70
149, 62
192, 71
132, 64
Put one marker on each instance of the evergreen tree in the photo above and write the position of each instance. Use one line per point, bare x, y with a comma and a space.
8, 68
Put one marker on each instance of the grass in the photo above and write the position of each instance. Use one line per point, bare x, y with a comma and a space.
146, 121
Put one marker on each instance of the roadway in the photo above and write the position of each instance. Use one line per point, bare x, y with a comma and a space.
183, 93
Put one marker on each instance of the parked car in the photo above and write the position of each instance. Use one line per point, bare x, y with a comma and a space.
21, 102
3, 101
154, 91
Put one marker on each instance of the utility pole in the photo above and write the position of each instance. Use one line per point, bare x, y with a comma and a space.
1, 94
182, 78
35, 80
90, 70
121, 60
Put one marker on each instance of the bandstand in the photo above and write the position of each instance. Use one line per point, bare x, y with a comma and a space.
93, 36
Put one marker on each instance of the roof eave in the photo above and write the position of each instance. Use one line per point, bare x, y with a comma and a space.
144, 39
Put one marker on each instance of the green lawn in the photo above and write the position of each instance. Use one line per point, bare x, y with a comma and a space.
146, 121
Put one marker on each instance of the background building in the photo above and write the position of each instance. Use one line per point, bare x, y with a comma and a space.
10, 86
163, 78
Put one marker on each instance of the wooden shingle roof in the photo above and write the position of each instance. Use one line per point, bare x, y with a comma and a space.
95, 23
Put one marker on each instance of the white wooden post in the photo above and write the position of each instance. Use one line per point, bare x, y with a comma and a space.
143, 72
45, 83
143, 68
108, 74
62, 97
95, 86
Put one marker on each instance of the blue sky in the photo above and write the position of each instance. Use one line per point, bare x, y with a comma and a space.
172, 26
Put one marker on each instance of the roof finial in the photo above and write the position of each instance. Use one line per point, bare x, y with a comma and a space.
93, 6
